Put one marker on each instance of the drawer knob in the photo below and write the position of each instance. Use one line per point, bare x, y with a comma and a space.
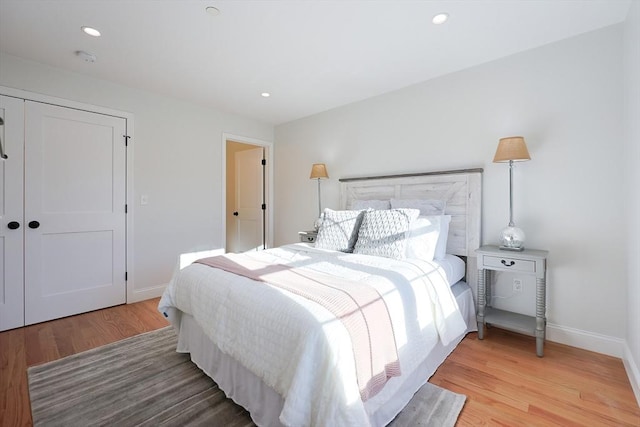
507, 264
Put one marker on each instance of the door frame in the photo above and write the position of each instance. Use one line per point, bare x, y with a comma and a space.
268, 146
131, 295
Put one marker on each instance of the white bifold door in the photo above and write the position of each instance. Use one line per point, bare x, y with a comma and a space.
11, 213
73, 225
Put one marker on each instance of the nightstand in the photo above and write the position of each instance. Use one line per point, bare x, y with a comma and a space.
308, 236
530, 262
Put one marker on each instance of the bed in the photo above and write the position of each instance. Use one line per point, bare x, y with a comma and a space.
288, 358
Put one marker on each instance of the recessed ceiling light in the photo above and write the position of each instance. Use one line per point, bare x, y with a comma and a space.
91, 31
440, 18
213, 11
265, 94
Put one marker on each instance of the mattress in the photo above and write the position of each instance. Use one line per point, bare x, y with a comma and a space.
453, 267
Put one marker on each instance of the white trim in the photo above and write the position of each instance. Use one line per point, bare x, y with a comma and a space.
131, 294
604, 344
269, 196
131, 288
611, 346
46, 99
586, 340
632, 371
137, 295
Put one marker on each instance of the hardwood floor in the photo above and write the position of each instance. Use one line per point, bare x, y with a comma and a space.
505, 383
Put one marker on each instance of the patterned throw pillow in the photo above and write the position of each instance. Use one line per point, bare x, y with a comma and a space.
339, 230
383, 232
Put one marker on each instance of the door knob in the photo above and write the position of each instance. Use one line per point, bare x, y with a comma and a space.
235, 214
34, 224
13, 225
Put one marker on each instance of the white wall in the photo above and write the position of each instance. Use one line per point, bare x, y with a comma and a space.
566, 99
177, 151
632, 155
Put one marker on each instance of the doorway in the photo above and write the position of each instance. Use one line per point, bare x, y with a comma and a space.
247, 194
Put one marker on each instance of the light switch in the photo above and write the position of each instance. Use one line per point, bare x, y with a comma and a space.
144, 199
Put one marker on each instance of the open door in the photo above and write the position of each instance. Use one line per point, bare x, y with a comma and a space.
249, 200
246, 199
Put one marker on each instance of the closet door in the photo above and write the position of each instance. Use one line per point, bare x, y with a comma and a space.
75, 186
11, 191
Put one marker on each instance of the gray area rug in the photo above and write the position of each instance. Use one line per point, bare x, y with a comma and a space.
143, 381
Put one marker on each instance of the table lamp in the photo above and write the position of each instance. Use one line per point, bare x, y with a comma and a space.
318, 171
511, 149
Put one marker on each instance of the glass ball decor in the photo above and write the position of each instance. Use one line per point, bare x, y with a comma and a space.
512, 238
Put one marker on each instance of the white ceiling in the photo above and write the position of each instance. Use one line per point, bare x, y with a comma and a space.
311, 55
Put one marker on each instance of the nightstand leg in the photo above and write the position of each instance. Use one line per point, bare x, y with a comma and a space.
541, 321
482, 301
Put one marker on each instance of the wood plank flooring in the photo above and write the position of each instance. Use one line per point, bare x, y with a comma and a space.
505, 383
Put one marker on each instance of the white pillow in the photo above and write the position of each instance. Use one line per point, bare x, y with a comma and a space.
427, 238
422, 238
441, 247
384, 232
371, 204
339, 230
426, 206
454, 268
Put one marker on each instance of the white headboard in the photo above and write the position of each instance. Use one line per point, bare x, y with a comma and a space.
461, 189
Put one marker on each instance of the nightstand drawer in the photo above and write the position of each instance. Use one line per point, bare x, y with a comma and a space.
308, 236
510, 264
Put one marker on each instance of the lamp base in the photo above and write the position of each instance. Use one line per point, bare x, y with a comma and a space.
512, 239
508, 248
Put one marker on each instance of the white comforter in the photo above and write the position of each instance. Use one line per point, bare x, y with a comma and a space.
296, 346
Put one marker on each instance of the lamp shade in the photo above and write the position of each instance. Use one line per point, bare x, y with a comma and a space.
511, 148
318, 171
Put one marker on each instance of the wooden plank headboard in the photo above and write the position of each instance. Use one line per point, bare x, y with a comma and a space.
461, 189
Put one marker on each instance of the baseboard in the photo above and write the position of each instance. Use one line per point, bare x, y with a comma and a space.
137, 295
591, 341
632, 371
144, 294
611, 346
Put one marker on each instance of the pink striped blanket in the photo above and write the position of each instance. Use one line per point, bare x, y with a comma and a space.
361, 309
